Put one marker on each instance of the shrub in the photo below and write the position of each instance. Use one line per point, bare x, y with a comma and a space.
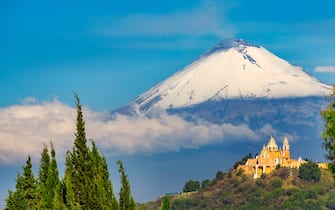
310, 172
276, 183
191, 186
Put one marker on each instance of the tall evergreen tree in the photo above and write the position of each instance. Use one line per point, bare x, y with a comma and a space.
81, 179
44, 166
43, 173
52, 180
25, 196
329, 131
48, 177
29, 185
126, 201
58, 200
166, 203
67, 193
16, 199
328, 134
102, 184
86, 179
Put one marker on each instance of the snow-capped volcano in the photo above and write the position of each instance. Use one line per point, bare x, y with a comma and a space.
232, 69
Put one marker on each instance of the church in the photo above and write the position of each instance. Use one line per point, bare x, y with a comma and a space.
270, 156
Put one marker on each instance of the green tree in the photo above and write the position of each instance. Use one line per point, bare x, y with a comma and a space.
68, 193
29, 185
48, 177
26, 194
166, 203
52, 181
44, 167
310, 171
43, 173
82, 173
104, 195
58, 201
219, 175
205, 183
16, 199
126, 201
191, 186
78, 180
328, 134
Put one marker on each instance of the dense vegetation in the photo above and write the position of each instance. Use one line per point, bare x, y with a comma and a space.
281, 189
328, 135
85, 185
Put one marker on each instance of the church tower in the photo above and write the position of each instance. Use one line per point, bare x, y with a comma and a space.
286, 149
272, 146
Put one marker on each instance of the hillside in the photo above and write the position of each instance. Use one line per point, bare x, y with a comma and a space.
281, 189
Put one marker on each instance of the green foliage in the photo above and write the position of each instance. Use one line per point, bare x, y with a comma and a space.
48, 177
85, 185
182, 204
276, 183
219, 175
273, 192
26, 194
191, 186
205, 183
310, 171
328, 134
86, 181
126, 201
166, 203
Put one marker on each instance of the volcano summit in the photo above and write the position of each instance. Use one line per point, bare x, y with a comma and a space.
233, 69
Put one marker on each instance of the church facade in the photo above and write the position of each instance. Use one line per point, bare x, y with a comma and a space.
270, 156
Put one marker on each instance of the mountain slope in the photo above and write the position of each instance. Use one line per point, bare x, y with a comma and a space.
276, 191
232, 69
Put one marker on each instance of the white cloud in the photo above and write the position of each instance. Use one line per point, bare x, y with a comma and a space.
205, 19
327, 69
25, 128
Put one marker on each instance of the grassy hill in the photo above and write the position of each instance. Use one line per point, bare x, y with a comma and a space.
281, 189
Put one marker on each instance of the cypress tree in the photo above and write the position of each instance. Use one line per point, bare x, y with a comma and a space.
48, 177
58, 200
29, 185
44, 166
126, 201
25, 196
166, 203
52, 180
68, 192
43, 173
82, 173
104, 195
16, 199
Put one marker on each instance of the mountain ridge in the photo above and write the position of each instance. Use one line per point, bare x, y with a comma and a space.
232, 69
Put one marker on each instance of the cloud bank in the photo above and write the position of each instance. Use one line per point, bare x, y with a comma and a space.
26, 127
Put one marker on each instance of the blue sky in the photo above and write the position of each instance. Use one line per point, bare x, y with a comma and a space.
109, 52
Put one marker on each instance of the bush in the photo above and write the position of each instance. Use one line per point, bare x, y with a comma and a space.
219, 175
191, 186
276, 183
310, 172
205, 183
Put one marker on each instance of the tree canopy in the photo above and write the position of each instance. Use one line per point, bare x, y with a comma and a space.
86, 182
328, 134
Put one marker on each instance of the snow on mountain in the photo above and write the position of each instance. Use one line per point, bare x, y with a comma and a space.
232, 69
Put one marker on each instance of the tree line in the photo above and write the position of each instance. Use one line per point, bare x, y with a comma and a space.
86, 183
